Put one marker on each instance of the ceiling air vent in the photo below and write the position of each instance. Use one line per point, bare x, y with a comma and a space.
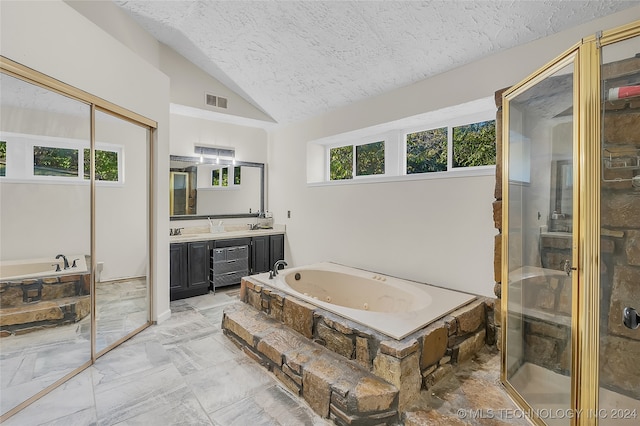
216, 101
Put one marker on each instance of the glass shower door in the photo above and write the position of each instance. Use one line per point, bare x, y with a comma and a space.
540, 240
619, 371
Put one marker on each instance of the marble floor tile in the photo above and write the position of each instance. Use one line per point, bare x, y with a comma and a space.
72, 403
228, 382
269, 406
200, 354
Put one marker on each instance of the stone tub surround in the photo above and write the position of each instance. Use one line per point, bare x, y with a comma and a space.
416, 362
33, 304
341, 391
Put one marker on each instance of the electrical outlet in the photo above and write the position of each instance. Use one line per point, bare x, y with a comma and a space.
288, 214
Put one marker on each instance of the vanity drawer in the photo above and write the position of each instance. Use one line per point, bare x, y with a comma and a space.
227, 254
219, 255
238, 253
230, 266
228, 279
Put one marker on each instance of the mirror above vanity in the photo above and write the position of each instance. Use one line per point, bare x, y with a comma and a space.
216, 188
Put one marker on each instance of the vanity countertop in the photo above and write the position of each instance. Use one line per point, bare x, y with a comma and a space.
207, 236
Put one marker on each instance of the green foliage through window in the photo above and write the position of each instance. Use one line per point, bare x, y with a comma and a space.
341, 163
3, 158
49, 161
236, 175
427, 151
106, 165
474, 144
370, 159
220, 177
225, 176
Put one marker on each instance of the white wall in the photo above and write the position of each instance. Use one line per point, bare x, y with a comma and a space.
250, 143
438, 231
55, 39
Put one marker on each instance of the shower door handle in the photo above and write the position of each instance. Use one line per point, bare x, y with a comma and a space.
630, 318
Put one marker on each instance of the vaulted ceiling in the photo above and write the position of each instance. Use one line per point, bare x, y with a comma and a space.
296, 59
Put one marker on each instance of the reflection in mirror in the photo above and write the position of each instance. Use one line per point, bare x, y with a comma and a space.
561, 172
208, 188
45, 244
122, 285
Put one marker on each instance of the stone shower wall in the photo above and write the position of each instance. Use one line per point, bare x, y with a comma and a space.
497, 219
620, 221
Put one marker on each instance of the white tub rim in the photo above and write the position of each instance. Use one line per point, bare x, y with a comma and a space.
396, 325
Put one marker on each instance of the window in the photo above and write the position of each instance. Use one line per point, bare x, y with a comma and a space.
106, 165
474, 144
369, 160
3, 158
427, 151
48, 161
59, 159
454, 141
225, 177
450, 147
341, 163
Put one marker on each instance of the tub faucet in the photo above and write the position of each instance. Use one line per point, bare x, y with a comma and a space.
276, 265
64, 258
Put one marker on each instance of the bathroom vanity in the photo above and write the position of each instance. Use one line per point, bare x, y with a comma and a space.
200, 262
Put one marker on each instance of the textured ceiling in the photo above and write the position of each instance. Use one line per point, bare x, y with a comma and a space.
297, 59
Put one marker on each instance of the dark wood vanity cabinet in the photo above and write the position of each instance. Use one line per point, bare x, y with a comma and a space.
265, 251
197, 266
260, 254
189, 269
276, 249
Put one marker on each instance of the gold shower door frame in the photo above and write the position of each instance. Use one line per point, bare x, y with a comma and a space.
585, 56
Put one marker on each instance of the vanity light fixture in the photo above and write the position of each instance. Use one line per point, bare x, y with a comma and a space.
217, 152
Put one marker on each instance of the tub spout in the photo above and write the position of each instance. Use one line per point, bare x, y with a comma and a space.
64, 258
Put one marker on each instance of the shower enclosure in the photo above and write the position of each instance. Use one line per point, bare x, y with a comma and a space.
571, 246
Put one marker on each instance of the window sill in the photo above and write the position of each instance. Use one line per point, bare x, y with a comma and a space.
452, 174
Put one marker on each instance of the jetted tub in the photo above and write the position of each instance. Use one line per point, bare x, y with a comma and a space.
392, 306
13, 270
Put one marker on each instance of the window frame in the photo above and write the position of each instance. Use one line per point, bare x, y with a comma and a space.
231, 174
449, 124
354, 160
318, 159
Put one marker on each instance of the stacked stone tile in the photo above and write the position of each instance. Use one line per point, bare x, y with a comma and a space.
333, 388
416, 362
32, 304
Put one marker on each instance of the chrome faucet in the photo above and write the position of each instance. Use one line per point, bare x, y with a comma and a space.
66, 262
276, 265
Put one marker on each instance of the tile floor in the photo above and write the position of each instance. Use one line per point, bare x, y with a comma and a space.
186, 372
181, 372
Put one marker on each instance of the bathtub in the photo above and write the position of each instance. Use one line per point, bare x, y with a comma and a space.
13, 270
391, 306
